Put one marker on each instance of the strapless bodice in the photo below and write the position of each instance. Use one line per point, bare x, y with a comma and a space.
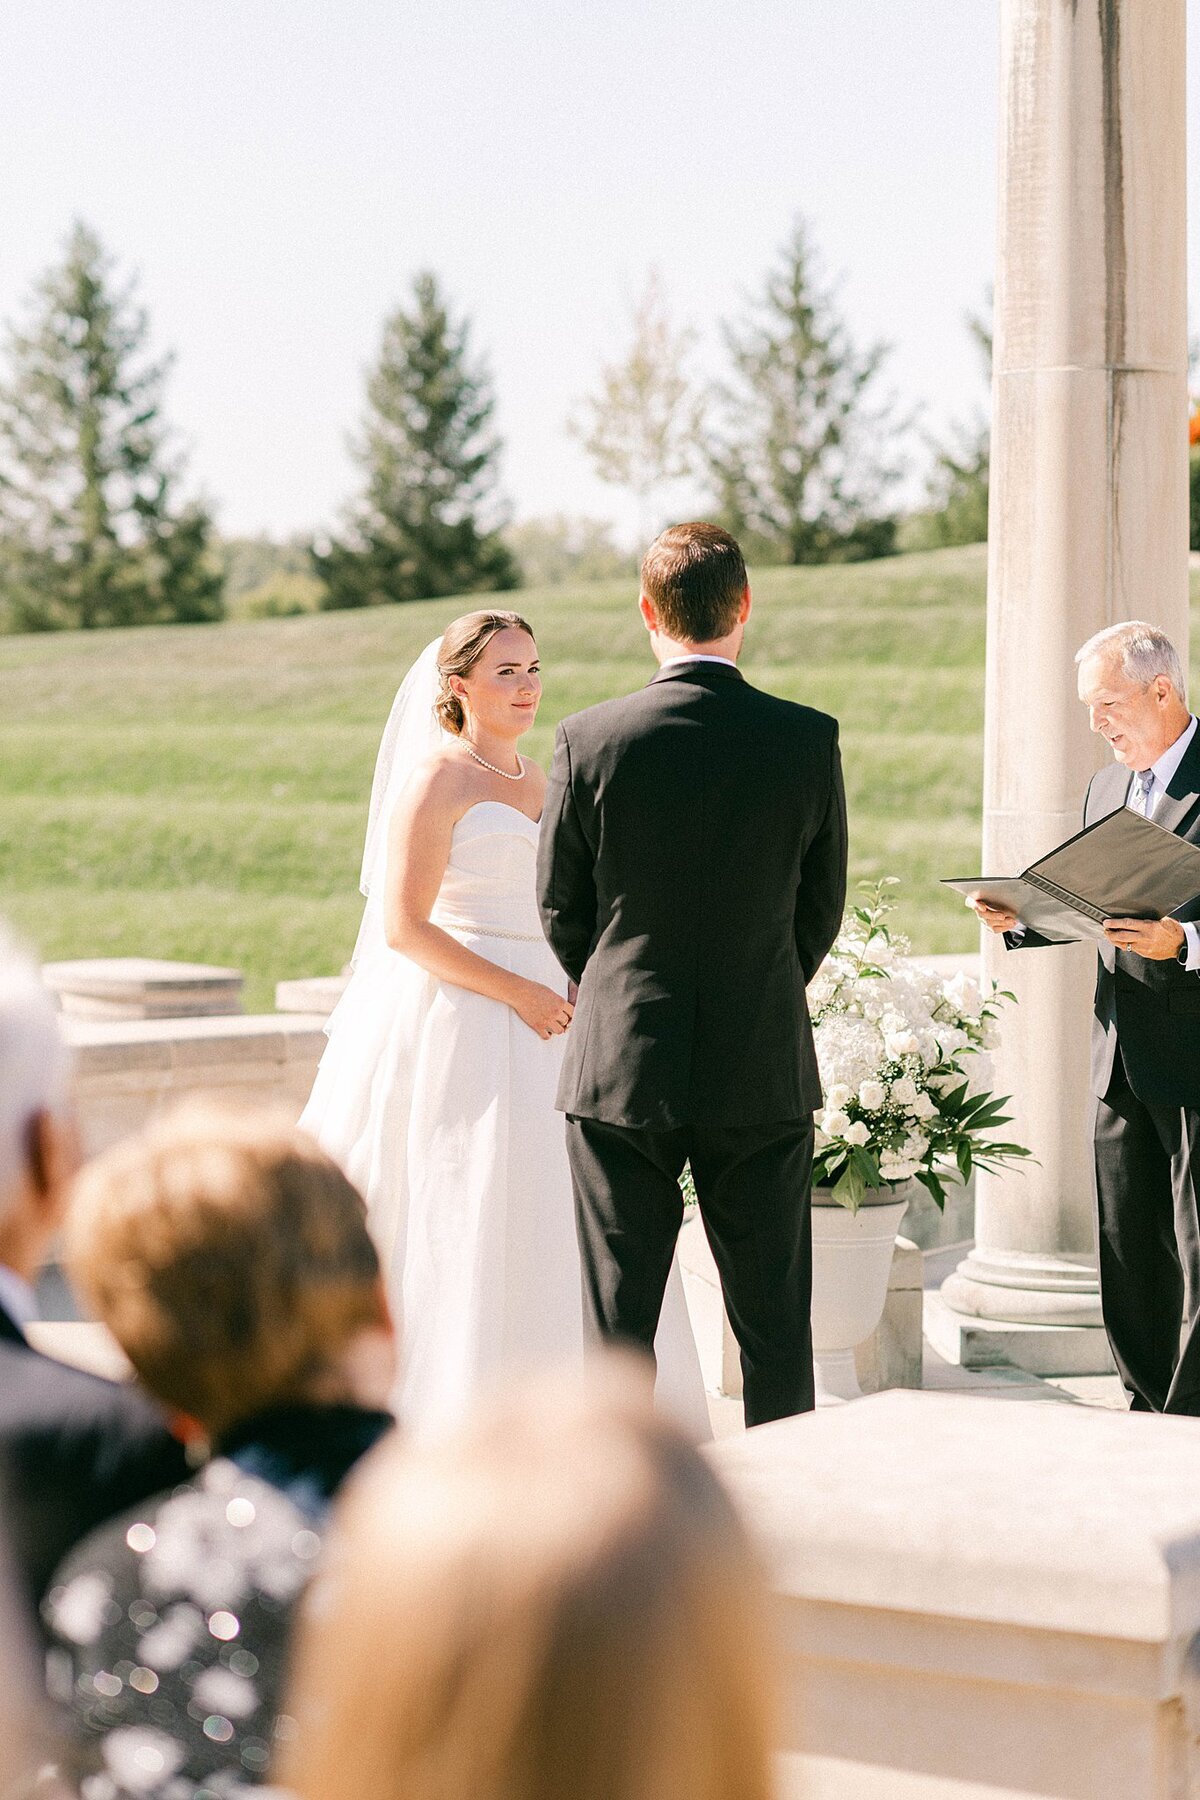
490, 880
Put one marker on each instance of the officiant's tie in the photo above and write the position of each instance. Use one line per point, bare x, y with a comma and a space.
1141, 793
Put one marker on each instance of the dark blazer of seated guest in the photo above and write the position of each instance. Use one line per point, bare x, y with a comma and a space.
74, 1450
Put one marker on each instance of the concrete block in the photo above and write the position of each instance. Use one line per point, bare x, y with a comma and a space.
128, 1071
142, 987
317, 994
893, 1356
1038, 1349
979, 1601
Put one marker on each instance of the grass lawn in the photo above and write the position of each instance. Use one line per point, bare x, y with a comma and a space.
200, 792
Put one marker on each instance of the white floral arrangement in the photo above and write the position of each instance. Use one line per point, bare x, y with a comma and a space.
904, 1056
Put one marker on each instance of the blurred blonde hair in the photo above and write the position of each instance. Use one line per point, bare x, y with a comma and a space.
560, 1603
228, 1256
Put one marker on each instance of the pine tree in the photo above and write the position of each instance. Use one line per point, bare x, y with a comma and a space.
957, 491
89, 531
426, 524
641, 427
799, 459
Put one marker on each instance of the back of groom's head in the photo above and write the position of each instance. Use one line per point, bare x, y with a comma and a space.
695, 578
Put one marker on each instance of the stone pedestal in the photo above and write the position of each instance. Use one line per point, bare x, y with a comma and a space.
143, 987
979, 1600
1088, 525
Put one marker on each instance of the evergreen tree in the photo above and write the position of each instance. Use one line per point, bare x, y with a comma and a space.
90, 534
800, 459
956, 510
641, 427
426, 524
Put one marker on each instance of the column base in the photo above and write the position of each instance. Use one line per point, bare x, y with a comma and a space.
1024, 1289
1037, 1313
992, 1343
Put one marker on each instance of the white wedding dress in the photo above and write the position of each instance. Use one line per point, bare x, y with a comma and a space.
439, 1104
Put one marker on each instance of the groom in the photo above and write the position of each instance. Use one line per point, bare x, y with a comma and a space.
691, 874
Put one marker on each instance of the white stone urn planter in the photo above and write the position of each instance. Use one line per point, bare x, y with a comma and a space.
852, 1259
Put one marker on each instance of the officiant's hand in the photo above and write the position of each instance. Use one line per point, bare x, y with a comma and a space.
1157, 939
996, 918
542, 1009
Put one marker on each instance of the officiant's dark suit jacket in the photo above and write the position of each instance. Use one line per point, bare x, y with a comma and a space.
692, 874
1151, 1008
74, 1450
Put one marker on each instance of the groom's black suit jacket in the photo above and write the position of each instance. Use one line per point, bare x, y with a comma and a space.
692, 874
1152, 1009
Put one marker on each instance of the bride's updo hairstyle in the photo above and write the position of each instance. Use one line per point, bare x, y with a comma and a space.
461, 648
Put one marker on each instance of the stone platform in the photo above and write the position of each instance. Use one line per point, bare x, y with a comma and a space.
981, 1601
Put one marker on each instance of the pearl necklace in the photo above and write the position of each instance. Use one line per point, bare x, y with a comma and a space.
503, 773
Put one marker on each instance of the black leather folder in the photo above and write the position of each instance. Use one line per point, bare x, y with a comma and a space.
1122, 867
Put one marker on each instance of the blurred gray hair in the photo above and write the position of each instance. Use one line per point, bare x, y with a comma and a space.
1144, 652
35, 1064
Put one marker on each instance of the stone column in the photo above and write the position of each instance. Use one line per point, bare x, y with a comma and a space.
1088, 525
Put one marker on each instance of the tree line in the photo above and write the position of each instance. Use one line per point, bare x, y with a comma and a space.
796, 446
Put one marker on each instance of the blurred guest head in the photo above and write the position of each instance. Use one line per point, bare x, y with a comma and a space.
38, 1139
558, 1603
230, 1259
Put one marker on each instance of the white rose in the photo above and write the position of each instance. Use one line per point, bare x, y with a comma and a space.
923, 1107
872, 1095
837, 1124
896, 1168
857, 1134
904, 1091
838, 1096
901, 1043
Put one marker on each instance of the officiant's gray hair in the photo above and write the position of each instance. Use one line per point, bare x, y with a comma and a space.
35, 1065
1144, 650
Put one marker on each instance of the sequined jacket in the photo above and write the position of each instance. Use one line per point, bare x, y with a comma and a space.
168, 1628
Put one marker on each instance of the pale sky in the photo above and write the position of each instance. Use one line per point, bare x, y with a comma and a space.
275, 171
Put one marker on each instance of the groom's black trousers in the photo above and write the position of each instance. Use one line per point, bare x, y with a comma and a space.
754, 1189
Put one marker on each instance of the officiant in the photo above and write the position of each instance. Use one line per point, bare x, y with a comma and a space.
1146, 1030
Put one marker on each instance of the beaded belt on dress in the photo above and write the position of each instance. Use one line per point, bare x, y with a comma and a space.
492, 931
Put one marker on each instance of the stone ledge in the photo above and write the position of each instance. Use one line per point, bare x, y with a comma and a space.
1055, 1519
108, 1047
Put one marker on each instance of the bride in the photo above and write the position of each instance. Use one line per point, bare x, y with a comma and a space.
436, 1091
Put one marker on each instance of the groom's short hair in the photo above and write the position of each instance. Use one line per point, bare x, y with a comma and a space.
694, 576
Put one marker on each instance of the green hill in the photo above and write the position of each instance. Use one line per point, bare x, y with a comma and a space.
200, 792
